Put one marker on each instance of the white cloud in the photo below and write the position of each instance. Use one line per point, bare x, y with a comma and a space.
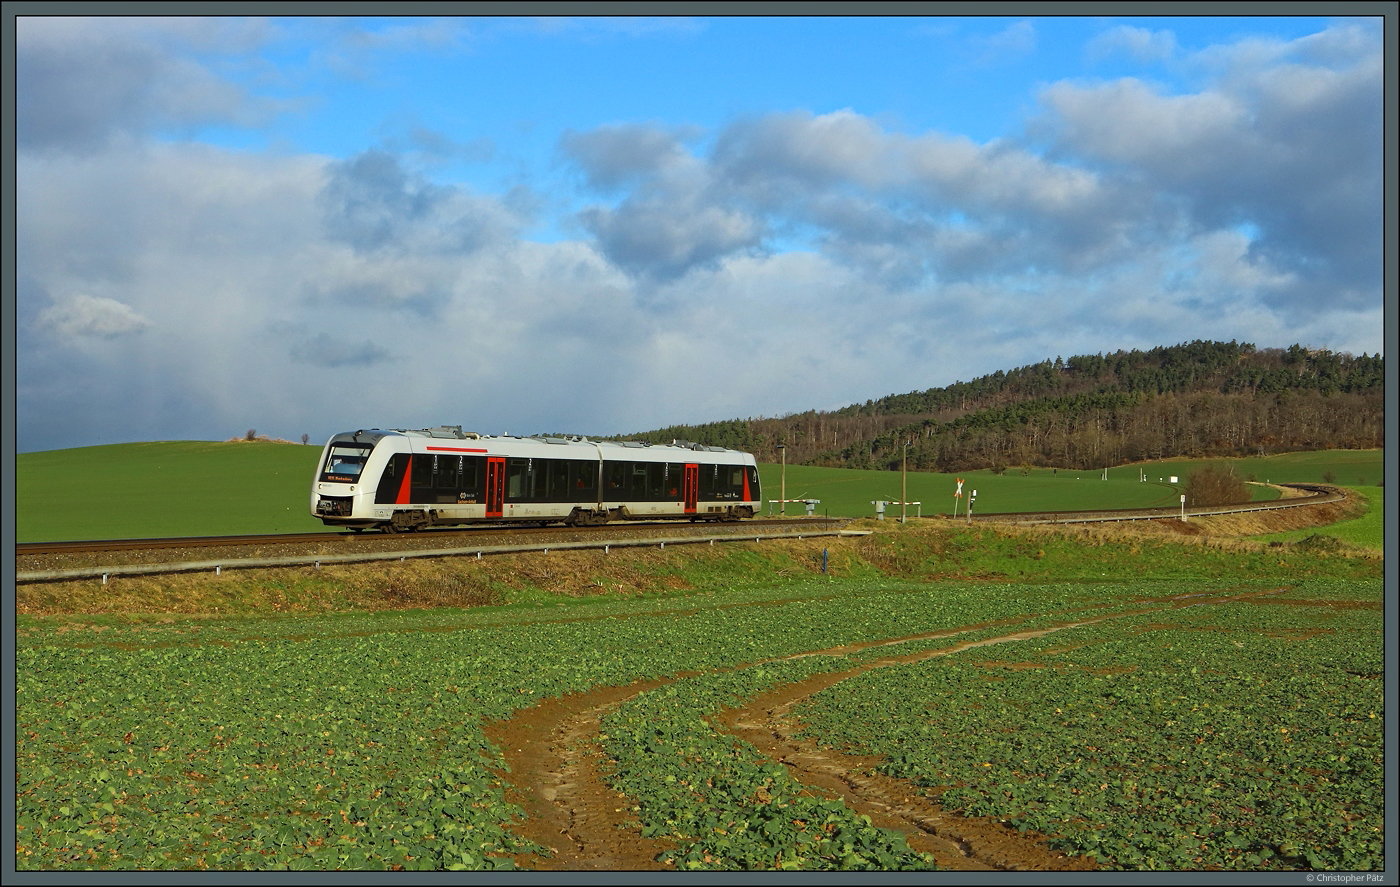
84, 315
1015, 40
1138, 43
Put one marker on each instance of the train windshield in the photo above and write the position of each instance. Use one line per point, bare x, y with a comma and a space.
345, 463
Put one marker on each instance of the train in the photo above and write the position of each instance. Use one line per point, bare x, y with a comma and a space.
402, 480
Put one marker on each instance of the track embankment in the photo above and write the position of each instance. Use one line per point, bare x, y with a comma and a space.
50, 562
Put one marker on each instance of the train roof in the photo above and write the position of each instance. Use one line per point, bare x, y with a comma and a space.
455, 432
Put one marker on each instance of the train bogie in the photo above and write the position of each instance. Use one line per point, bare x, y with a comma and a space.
403, 480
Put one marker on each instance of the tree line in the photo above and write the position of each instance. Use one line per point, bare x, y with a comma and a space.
1198, 399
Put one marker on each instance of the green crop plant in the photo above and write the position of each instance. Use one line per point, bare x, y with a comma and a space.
724, 805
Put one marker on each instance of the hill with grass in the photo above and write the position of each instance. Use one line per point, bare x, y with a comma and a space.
1194, 400
203, 488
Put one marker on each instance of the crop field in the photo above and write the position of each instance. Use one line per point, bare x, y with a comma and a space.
193, 488
1228, 717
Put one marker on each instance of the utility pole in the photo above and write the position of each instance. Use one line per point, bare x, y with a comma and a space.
782, 486
904, 485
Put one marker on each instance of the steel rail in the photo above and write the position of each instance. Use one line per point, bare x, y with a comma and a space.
71, 547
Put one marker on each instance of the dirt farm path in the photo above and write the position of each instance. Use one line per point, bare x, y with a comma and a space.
553, 756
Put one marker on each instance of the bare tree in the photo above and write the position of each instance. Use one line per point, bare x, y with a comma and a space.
305, 438
1213, 485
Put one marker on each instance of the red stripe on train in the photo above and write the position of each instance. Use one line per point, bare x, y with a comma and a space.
403, 485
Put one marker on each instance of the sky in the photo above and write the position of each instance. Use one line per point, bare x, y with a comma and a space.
609, 225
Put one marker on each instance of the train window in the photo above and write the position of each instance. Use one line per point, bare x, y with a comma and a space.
392, 479
521, 482
637, 487
558, 480
707, 476
447, 473
447, 470
656, 481
345, 462
615, 480
583, 481
422, 478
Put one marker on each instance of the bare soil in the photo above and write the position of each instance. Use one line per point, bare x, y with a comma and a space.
552, 757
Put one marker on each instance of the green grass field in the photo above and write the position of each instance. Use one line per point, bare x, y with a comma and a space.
1367, 531
849, 493
194, 488
166, 488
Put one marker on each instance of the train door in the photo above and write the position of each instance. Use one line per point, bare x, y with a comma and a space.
495, 486
691, 487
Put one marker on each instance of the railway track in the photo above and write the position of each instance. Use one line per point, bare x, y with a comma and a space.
75, 560
1317, 494
424, 537
104, 559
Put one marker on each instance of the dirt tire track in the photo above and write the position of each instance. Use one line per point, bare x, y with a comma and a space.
956, 842
553, 758
552, 753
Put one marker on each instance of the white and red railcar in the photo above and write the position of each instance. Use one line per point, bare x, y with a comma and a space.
399, 480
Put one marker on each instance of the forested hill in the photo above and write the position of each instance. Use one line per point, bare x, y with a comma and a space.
1088, 411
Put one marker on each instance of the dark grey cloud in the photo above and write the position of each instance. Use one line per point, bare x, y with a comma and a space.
372, 203
325, 350
663, 236
82, 82
614, 156
382, 289
369, 201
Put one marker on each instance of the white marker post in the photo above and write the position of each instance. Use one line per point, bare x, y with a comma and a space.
1183, 508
